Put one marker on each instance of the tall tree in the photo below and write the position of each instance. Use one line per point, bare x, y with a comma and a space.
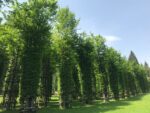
86, 49
113, 64
34, 21
102, 60
139, 74
66, 30
13, 44
76, 80
48, 69
3, 56
122, 76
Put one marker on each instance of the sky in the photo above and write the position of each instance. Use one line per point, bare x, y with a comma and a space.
124, 23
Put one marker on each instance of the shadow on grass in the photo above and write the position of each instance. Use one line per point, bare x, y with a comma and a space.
96, 107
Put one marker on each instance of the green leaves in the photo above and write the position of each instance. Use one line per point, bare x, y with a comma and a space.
66, 23
45, 40
10, 40
64, 35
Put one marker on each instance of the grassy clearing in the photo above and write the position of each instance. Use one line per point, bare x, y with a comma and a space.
139, 104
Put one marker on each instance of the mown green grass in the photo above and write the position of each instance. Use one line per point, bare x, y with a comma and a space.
139, 104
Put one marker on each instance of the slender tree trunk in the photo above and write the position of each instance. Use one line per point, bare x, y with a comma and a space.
12, 84
46, 80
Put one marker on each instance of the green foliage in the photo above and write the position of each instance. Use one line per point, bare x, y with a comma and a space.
46, 78
41, 54
147, 68
102, 60
66, 31
76, 80
141, 77
33, 20
113, 70
11, 46
86, 58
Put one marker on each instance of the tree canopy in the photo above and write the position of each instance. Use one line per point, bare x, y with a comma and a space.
42, 54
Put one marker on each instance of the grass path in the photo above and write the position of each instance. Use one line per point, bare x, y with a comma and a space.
139, 104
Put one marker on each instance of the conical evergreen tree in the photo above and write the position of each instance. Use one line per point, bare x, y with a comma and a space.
133, 58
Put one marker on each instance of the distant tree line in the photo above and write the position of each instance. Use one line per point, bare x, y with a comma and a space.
42, 53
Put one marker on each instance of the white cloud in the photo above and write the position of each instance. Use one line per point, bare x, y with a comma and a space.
110, 40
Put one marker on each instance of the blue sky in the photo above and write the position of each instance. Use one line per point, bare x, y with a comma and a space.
124, 23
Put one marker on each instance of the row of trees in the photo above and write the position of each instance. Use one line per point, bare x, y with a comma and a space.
42, 53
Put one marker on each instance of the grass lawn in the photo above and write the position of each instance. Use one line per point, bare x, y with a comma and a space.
139, 104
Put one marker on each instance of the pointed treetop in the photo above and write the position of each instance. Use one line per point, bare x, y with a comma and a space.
132, 57
146, 65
